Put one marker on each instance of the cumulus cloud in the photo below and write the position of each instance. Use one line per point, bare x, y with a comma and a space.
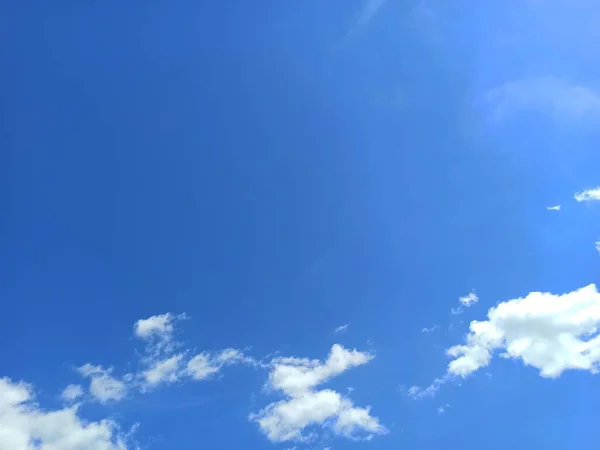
72, 392
103, 386
469, 299
304, 406
560, 98
25, 426
155, 326
552, 333
588, 195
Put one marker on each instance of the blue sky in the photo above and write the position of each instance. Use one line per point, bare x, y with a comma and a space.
299, 225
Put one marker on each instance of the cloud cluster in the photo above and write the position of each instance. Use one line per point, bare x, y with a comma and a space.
304, 407
24, 426
552, 333
163, 361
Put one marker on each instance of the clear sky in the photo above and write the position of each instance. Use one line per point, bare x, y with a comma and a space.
320, 224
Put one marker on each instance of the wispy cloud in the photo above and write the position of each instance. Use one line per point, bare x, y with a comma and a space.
442, 409
561, 99
429, 330
588, 195
369, 9
553, 208
163, 361
342, 328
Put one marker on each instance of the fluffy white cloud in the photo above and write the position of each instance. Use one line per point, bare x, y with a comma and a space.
588, 195
24, 426
103, 386
469, 299
552, 333
72, 392
155, 326
304, 406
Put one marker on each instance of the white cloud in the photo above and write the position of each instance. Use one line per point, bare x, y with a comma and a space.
469, 299
552, 333
429, 330
342, 328
163, 371
588, 195
553, 208
204, 365
25, 426
103, 386
456, 311
159, 363
598, 245
304, 406
558, 97
72, 392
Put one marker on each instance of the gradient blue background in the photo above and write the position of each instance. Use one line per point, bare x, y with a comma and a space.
275, 169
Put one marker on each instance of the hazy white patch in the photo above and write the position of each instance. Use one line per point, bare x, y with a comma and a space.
342, 328
588, 195
418, 392
364, 16
553, 208
368, 11
103, 386
71, 393
442, 409
561, 99
429, 330
456, 311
